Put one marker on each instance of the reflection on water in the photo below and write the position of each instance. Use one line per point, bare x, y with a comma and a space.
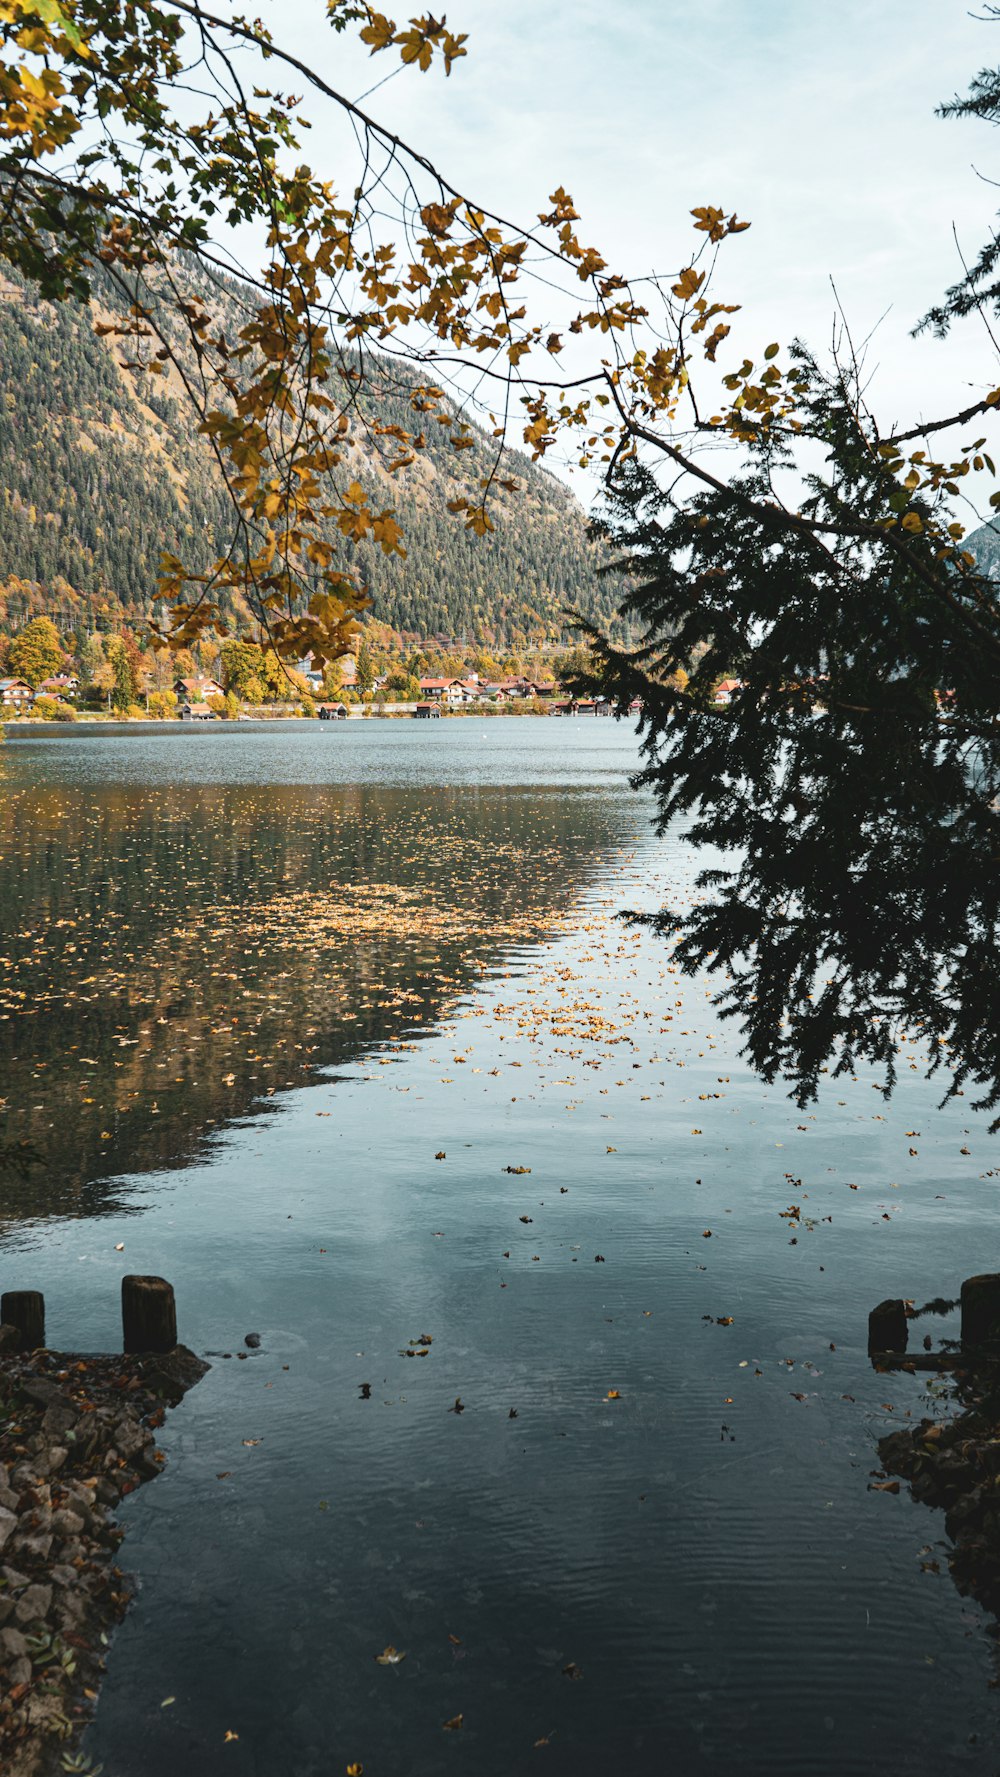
646, 1543
173, 951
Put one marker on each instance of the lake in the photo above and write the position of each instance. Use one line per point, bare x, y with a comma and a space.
337, 1029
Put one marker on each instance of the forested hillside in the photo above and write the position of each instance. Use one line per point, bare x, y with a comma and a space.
100, 471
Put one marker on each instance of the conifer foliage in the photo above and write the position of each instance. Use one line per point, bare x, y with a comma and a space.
845, 787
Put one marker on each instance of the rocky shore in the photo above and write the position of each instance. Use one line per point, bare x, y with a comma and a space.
955, 1466
76, 1434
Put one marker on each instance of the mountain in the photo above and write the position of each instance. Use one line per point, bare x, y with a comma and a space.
984, 544
100, 470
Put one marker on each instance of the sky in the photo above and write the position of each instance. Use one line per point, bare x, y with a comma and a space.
814, 121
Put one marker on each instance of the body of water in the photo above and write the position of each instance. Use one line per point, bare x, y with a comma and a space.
562, 1388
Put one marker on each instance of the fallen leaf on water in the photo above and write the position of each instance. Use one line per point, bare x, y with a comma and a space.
390, 1656
250, 1442
572, 1670
441, 1156
455, 1723
356, 1770
613, 1394
120, 1248
459, 1406
525, 1218
456, 1640
229, 1735
167, 1702
883, 1487
224, 1474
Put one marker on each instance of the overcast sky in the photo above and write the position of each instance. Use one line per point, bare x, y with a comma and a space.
814, 121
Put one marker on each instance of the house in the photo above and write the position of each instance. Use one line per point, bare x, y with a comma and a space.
724, 690
427, 711
332, 712
16, 693
196, 712
449, 690
197, 690
60, 685
582, 706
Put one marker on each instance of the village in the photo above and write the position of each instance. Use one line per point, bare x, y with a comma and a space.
202, 698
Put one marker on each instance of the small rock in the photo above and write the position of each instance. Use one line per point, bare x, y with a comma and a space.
12, 1644
33, 1605
66, 1523
20, 1672
72, 1611
37, 1546
53, 1460
59, 1419
8, 1523
252, 1341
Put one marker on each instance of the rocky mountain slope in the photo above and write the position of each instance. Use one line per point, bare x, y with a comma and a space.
101, 470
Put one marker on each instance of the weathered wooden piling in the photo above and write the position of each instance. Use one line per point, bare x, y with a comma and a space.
887, 1326
981, 1309
149, 1314
25, 1310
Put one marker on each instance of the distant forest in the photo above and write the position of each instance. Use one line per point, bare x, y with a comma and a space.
100, 471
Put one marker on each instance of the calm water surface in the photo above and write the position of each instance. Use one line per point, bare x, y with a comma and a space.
280, 1012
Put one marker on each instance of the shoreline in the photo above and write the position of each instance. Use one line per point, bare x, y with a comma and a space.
26, 729
77, 1433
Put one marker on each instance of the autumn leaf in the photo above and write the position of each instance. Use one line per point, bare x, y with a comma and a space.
688, 284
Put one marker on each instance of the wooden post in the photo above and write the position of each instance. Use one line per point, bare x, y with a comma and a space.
887, 1328
149, 1316
981, 1309
25, 1310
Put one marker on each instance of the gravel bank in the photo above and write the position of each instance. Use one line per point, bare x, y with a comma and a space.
76, 1434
